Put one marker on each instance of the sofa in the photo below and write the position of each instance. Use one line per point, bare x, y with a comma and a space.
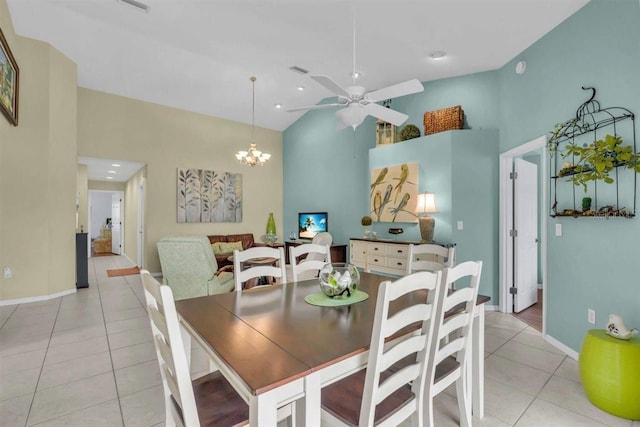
190, 269
224, 245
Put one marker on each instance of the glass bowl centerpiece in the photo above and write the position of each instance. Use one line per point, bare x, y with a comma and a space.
339, 278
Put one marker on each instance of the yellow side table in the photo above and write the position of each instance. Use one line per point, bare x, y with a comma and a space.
610, 373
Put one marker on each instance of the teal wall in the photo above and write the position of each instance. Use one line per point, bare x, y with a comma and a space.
590, 266
327, 170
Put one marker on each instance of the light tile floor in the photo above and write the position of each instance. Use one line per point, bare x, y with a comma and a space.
87, 360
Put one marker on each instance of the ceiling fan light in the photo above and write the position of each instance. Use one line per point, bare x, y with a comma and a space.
352, 116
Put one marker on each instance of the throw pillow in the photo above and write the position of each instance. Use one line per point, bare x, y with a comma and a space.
225, 247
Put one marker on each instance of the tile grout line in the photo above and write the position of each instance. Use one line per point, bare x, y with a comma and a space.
35, 390
113, 369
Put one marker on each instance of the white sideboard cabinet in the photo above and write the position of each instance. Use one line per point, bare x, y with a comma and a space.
382, 256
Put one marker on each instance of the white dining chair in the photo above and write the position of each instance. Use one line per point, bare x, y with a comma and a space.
429, 257
449, 361
315, 257
389, 397
324, 238
257, 262
209, 400
206, 401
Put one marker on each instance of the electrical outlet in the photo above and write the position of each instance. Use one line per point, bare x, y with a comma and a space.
460, 225
7, 273
592, 316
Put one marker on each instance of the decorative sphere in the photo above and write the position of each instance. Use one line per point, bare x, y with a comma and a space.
339, 279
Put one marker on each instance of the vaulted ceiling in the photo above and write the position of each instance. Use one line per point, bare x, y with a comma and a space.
198, 55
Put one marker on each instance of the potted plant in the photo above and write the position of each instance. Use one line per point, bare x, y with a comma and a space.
593, 162
366, 222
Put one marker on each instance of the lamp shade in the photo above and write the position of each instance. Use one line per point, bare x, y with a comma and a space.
426, 203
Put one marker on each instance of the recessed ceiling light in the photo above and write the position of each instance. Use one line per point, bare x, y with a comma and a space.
278, 106
115, 165
356, 74
112, 171
438, 54
109, 177
300, 88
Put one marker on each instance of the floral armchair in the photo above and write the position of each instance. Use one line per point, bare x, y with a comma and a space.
190, 268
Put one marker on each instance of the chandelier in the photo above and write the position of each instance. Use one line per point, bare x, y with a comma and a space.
253, 156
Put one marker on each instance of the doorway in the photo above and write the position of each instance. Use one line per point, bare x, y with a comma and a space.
509, 254
106, 222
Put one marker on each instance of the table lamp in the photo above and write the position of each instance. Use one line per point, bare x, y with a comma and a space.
426, 204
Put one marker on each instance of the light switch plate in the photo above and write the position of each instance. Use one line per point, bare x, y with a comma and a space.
460, 225
558, 230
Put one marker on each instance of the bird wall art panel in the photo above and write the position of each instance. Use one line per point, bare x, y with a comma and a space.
209, 196
393, 193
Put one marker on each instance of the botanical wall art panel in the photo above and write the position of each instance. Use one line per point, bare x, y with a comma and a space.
394, 191
209, 196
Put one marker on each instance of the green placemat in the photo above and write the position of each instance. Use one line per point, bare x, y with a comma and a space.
322, 300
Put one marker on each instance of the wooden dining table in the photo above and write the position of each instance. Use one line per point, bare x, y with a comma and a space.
277, 349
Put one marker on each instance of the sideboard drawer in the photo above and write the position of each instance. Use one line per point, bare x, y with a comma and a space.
398, 251
377, 260
376, 249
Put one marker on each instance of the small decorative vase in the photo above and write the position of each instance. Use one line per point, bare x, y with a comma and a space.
271, 229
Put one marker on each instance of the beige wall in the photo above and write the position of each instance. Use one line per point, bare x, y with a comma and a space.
39, 178
38, 173
166, 139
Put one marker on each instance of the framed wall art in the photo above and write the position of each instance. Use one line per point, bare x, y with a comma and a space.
393, 193
209, 196
9, 82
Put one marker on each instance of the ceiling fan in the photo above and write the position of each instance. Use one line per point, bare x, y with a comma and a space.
358, 102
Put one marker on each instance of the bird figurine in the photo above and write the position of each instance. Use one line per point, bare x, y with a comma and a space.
617, 329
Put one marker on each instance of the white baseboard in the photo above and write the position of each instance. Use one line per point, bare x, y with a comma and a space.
491, 308
557, 344
36, 299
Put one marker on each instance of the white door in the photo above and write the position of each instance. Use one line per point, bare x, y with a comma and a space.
525, 222
116, 224
141, 226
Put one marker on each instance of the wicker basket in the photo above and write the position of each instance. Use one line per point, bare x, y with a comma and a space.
445, 119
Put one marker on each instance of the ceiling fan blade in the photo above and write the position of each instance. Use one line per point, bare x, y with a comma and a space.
331, 85
386, 114
394, 91
313, 107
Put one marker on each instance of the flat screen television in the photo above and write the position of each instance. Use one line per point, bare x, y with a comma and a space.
312, 223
